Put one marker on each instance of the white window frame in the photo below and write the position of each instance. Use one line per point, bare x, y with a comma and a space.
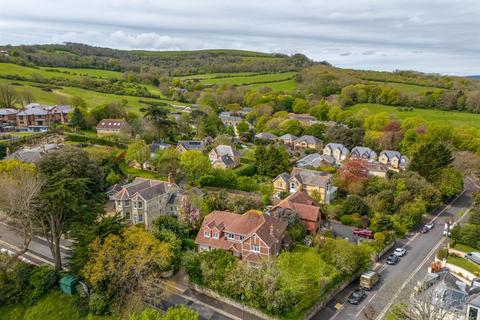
118, 203
215, 235
139, 204
253, 248
206, 234
126, 203
230, 236
242, 238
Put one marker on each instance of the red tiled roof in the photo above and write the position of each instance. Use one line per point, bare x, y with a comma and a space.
306, 206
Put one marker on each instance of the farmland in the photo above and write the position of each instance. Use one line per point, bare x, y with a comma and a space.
454, 118
405, 88
245, 80
66, 73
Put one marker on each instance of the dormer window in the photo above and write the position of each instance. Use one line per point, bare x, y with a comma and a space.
206, 234
230, 236
215, 235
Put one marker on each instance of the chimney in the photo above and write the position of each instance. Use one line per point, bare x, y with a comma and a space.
171, 180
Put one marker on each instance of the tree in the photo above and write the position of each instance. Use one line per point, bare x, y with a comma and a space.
71, 195
354, 204
430, 158
449, 182
127, 266
242, 127
138, 151
109, 111
8, 96
159, 117
167, 162
289, 216
78, 120
352, 174
20, 186
317, 130
194, 164
25, 97
271, 160
291, 126
349, 137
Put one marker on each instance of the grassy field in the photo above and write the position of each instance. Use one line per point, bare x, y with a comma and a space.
55, 306
464, 248
465, 264
430, 115
139, 173
405, 88
68, 73
286, 86
92, 98
245, 80
216, 75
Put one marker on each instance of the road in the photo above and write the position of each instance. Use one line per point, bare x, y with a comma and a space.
39, 253
399, 280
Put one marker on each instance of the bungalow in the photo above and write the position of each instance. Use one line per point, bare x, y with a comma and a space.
304, 118
363, 153
393, 159
316, 183
336, 150
266, 136
186, 145
315, 160
224, 157
250, 236
288, 139
115, 127
307, 142
33, 155
308, 210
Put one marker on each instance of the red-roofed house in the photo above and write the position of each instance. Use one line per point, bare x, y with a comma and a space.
249, 236
308, 210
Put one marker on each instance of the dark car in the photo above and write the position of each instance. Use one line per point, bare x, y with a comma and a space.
392, 259
356, 296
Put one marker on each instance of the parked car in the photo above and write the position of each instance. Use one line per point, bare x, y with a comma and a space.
356, 296
392, 259
424, 229
363, 233
473, 256
430, 225
448, 228
400, 252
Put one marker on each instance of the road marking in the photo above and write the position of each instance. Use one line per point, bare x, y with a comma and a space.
36, 236
387, 307
26, 254
449, 205
338, 312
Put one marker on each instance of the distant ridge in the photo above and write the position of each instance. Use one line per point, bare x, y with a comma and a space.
475, 77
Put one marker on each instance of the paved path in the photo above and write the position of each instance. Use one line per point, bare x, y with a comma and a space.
398, 281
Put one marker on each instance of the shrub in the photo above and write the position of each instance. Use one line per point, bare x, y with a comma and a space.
246, 170
297, 232
354, 204
188, 244
191, 262
42, 280
442, 253
99, 303
346, 220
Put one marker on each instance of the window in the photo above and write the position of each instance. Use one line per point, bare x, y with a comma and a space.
126, 203
241, 238
118, 203
215, 235
292, 185
206, 234
140, 204
140, 217
472, 313
254, 248
231, 236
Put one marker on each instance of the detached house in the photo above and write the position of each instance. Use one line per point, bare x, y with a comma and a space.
336, 150
307, 142
266, 136
316, 160
288, 139
224, 157
185, 145
8, 117
143, 200
393, 159
363, 153
316, 183
116, 127
308, 210
250, 236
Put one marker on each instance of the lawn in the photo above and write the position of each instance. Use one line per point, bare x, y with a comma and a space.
92, 98
55, 306
465, 264
67, 73
286, 86
245, 80
405, 88
453, 118
464, 248
305, 272
139, 173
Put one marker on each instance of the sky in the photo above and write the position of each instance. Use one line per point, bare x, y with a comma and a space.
437, 36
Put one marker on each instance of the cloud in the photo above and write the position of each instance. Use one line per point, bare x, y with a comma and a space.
377, 34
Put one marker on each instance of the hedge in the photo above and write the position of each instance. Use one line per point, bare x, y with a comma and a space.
95, 140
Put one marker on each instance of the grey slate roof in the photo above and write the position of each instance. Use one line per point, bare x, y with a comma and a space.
266, 136
308, 139
191, 144
288, 136
153, 191
32, 155
315, 160
311, 177
363, 152
334, 146
223, 149
7, 111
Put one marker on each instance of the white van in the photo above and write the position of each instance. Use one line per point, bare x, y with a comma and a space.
473, 256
